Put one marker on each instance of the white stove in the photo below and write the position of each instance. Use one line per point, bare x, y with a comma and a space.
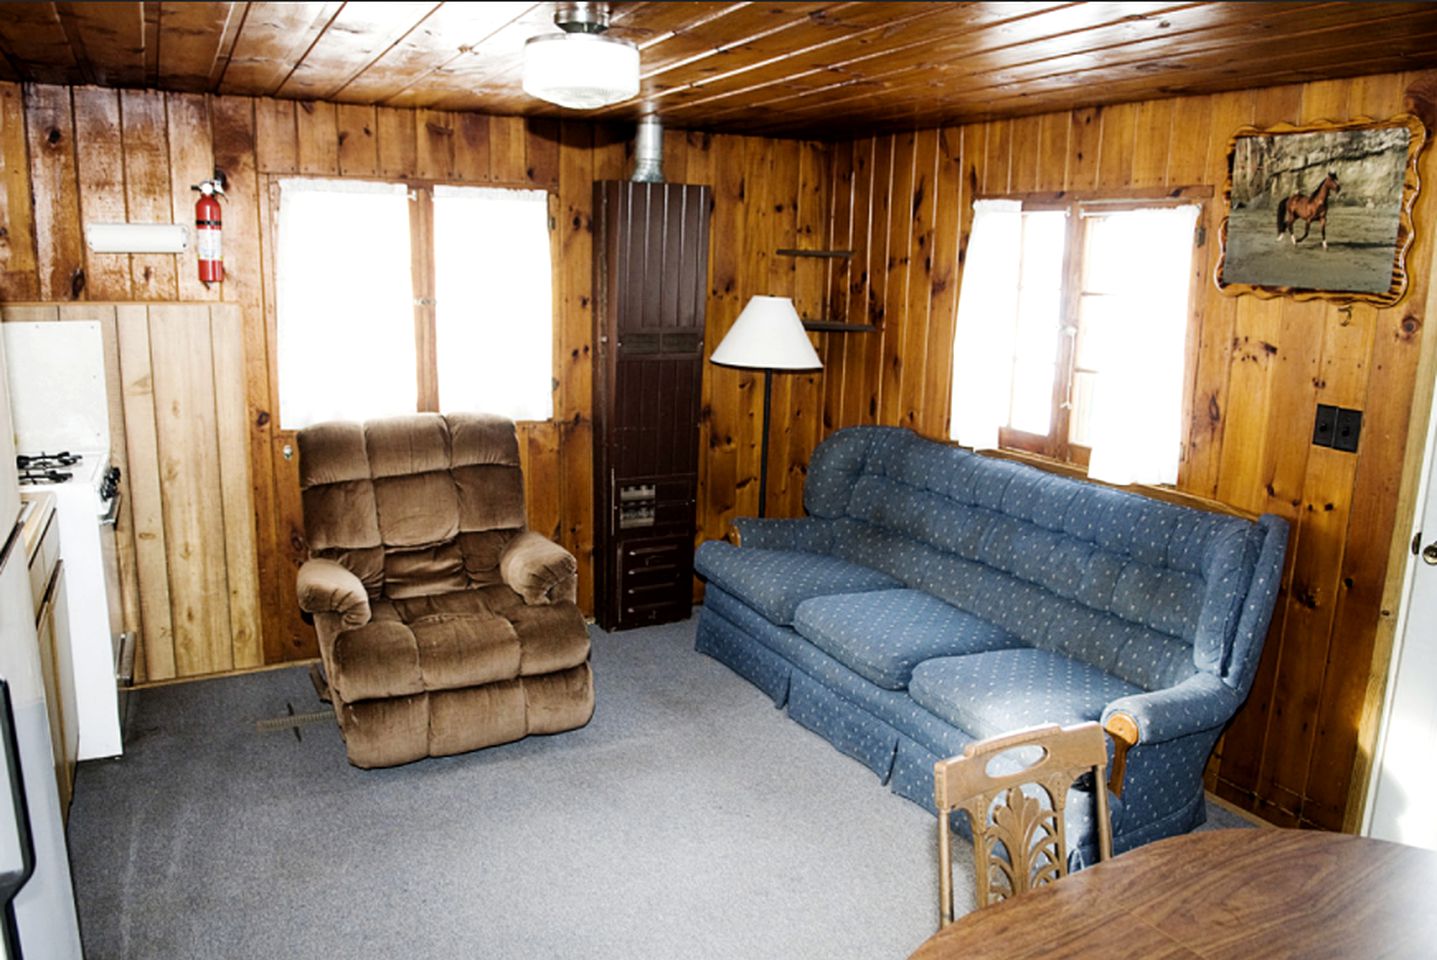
59, 404
87, 501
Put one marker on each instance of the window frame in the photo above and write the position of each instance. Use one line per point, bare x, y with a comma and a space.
1055, 445
422, 275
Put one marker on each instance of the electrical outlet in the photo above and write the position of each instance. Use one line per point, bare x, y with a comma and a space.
1324, 426
1349, 428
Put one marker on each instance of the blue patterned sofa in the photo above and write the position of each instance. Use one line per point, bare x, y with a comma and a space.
933, 596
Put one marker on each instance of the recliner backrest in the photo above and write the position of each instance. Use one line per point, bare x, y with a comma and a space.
413, 505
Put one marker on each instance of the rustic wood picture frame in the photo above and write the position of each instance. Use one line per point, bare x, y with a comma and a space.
1245, 235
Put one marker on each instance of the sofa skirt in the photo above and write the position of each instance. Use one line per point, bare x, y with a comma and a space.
885, 730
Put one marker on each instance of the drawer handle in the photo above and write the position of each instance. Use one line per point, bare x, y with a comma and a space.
652, 568
649, 588
650, 551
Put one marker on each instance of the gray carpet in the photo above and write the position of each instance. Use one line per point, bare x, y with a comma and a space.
689, 819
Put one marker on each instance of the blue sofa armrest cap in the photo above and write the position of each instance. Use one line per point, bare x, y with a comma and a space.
1199, 703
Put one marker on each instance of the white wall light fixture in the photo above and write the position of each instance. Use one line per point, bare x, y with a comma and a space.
137, 237
581, 68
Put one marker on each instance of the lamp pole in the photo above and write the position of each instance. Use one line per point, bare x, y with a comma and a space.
763, 447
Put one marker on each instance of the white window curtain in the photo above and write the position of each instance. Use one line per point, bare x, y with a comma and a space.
1140, 260
495, 313
344, 305
983, 341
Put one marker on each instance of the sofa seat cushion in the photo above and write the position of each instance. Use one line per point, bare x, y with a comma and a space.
883, 634
775, 582
987, 694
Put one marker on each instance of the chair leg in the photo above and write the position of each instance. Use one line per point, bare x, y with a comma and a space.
945, 870
1105, 824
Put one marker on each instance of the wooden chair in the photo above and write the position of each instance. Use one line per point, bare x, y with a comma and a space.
1018, 841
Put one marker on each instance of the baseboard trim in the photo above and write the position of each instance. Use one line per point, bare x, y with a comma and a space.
1237, 811
285, 665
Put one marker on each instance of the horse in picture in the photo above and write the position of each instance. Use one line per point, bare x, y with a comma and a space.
1306, 208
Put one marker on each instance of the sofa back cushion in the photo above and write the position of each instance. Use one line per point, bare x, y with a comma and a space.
1148, 591
413, 505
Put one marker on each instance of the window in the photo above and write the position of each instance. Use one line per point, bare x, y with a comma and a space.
396, 297
1072, 331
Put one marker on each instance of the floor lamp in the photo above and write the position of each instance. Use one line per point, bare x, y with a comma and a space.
768, 335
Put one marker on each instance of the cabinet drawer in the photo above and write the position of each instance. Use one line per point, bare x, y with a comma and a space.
636, 556
655, 580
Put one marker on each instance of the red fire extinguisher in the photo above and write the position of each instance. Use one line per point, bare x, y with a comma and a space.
207, 230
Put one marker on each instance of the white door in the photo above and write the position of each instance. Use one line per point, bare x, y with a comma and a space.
1404, 778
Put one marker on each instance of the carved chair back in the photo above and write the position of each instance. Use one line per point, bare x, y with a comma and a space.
1018, 836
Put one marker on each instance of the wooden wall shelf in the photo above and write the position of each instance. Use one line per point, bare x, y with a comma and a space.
834, 326
824, 254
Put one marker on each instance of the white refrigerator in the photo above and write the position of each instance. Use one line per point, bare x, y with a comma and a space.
38, 919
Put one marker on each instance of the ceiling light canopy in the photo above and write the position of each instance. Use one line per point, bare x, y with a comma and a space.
581, 68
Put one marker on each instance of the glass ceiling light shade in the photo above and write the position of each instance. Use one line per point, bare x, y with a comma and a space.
581, 71
768, 334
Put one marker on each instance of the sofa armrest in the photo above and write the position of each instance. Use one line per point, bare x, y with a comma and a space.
1199, 703
538, 569
325, 586
804, 533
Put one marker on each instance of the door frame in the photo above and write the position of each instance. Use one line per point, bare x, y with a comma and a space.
1411, 535
1417, 466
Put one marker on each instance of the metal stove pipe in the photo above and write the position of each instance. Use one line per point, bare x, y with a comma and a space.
649, 151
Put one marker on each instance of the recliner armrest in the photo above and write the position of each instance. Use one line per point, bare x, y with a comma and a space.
538, 569
325, 586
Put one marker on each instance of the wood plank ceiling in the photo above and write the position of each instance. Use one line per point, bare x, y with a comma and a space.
824, 70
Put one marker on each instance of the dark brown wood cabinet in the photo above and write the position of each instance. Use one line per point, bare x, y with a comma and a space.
650, 290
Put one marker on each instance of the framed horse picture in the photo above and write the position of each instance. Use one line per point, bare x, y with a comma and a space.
1322, 210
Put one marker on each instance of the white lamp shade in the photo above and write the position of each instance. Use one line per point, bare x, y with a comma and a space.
768, 334
581, 71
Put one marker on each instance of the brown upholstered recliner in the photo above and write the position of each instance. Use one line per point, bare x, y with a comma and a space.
444, 624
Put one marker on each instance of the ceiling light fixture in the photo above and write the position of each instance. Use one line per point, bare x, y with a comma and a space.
581, 68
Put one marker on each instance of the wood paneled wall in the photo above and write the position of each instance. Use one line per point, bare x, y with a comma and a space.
185, 528
1261, 367
901, 202
69, 155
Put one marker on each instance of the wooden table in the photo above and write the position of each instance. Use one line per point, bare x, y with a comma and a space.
1239, 894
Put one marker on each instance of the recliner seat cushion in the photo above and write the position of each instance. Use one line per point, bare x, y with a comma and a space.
775, 582
883, 634
551, 636
452, 640
987, 694
464, 650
